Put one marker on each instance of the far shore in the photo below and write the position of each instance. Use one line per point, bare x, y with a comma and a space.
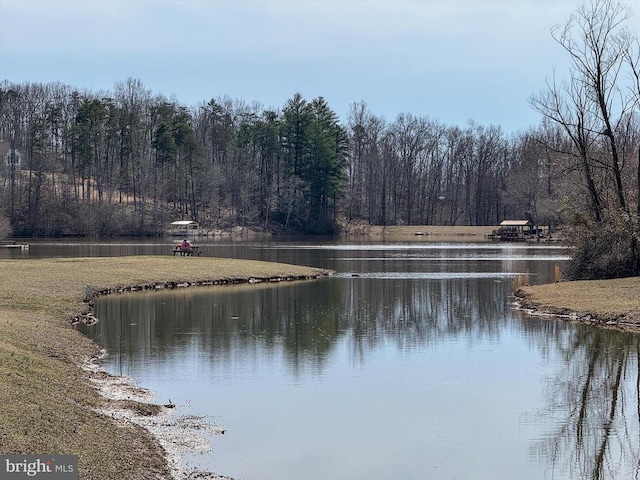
54, 396
418, 232
481, 231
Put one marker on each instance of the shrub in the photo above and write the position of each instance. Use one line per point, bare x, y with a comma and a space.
606, 249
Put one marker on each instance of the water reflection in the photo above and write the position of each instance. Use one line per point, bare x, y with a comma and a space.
304, 318
409, 364
593, 413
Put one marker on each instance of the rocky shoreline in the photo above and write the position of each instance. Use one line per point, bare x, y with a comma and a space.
627, 319
86, 317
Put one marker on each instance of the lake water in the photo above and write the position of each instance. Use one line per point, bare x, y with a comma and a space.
410, 363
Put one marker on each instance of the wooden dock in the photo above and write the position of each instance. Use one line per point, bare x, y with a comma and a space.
518, 231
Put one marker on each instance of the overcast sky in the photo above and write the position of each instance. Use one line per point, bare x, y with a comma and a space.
451, 60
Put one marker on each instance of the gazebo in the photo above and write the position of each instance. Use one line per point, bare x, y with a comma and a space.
515, 230
184, 228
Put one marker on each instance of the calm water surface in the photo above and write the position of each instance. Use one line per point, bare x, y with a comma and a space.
409, 364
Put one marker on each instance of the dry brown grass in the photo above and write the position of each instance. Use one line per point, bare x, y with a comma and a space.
605, 301
56, 285
47, 403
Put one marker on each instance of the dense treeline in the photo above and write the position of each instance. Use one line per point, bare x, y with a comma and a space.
129, 161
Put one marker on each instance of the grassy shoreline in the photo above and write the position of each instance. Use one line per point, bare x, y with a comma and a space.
50, 403
609, 303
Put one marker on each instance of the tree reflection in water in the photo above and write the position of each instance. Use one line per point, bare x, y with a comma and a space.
594, 404
591, 421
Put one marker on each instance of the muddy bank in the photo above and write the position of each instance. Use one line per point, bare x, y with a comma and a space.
53, 403
177, 433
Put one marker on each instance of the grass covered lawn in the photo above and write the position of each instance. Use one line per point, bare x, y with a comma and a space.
47, 403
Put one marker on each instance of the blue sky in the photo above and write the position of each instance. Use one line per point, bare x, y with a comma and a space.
451, 60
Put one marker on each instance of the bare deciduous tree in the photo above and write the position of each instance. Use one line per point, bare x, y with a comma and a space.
595, 107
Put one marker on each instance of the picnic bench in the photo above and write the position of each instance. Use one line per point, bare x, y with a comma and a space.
186, 253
